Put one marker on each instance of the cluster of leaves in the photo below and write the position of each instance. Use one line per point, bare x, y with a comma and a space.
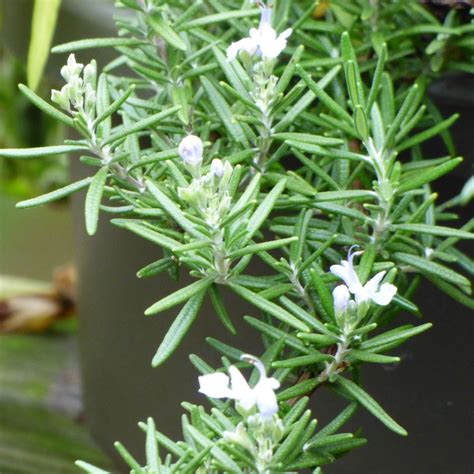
322, 170
203, 450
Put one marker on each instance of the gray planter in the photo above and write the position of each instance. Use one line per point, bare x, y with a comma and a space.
121, 388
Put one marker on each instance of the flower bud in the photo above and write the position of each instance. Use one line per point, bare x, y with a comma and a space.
73, 65
90, 100
239, 437
217, 168
90, 74
278, 430
65, 73
341, 297
224, 206
60, 98
72, 68
75, 91
191, 150
228, 169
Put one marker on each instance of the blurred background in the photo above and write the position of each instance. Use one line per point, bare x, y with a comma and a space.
44, 426
41, 414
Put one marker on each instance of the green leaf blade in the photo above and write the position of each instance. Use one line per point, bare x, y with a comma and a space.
151, 446
165, 30
55, 195
141, 125
393, 336
318, 91
422, 178
264, 209
45, 106
93, 200
179, 296
269, 307
371, 405
173, 210
179, 328
434, 269
435, 230
31, 153
95, 43
224, 112
147, 233
219, 18
264, 246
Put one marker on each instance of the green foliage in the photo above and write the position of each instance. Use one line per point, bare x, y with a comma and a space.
291, 164
23, 125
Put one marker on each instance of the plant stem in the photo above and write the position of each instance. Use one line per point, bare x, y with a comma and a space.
221, 263
106, 157
338, 364
383, 192
301, 289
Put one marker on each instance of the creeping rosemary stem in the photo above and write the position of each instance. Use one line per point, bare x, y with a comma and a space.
384, 191
264, 96
221, 263
103, 152
337, 365
300, 288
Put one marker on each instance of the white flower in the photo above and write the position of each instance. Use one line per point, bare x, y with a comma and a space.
271, 44
264, 41
191, 150
371, 291
262, 395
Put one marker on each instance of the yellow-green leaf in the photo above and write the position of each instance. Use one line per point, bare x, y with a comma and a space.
45, 14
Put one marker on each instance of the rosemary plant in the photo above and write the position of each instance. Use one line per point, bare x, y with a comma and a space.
290, 133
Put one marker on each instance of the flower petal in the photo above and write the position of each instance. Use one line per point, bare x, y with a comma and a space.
274, 383
215, 385
266, 18
339, 271
267, 33
286, 34
341, 297
239, 386
372, 285
248, 45
266, 399
248, 401
254, 35
241, 390
270, 44
346, 273
232, 51
385, 295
